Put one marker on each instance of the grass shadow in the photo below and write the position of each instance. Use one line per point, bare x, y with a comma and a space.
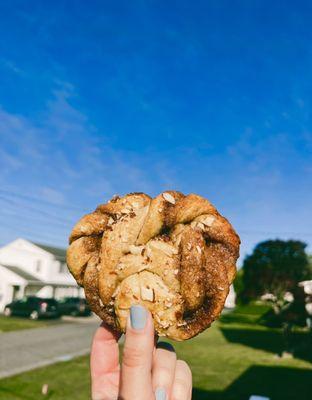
276, 383
271, 341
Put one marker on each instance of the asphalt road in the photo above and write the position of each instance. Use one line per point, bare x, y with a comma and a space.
32, 348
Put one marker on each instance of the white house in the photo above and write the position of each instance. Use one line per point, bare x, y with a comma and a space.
28, 268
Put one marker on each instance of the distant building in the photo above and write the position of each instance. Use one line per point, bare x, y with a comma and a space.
230, 301
28, 268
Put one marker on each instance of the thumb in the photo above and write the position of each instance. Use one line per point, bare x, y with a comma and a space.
136, 369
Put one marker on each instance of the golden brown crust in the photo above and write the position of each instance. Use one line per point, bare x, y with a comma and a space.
174, 254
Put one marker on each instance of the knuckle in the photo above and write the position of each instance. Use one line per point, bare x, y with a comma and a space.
185, 369
183, 364
133, 357
182, 382
164, 372
180, 390
165, 356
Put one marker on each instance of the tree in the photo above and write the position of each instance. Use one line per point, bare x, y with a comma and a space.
272, 272
239, 285
275, 267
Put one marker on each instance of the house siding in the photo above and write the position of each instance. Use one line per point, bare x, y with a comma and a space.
27, 256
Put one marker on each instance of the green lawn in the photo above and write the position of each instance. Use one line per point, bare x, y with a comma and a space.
14, 323
230, 361
249, 314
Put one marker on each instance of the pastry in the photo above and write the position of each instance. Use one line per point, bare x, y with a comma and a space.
174, 254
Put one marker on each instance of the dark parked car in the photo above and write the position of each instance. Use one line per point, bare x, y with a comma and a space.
74, 306
33, 307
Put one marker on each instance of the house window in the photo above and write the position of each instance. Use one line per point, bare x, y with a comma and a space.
38, 265
63, 268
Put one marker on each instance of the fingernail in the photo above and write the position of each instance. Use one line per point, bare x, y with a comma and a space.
160, 394
137, 317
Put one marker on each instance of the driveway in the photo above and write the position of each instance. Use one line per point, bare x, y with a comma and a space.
32, 348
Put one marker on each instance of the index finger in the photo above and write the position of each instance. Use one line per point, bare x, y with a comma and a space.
104, 364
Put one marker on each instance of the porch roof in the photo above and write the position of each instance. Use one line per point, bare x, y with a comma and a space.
23, 274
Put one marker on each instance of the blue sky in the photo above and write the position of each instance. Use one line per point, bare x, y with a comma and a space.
211, 97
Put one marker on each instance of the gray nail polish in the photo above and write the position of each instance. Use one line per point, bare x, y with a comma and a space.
165, 346
138, 317
160, 394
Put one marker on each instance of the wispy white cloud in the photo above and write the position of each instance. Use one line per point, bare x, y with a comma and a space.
8, 162
58, 157
53, 195
11, 66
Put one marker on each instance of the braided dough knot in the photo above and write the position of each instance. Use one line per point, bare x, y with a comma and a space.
174, 254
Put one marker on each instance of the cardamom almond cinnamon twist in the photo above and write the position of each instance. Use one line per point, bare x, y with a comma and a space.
174, 254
